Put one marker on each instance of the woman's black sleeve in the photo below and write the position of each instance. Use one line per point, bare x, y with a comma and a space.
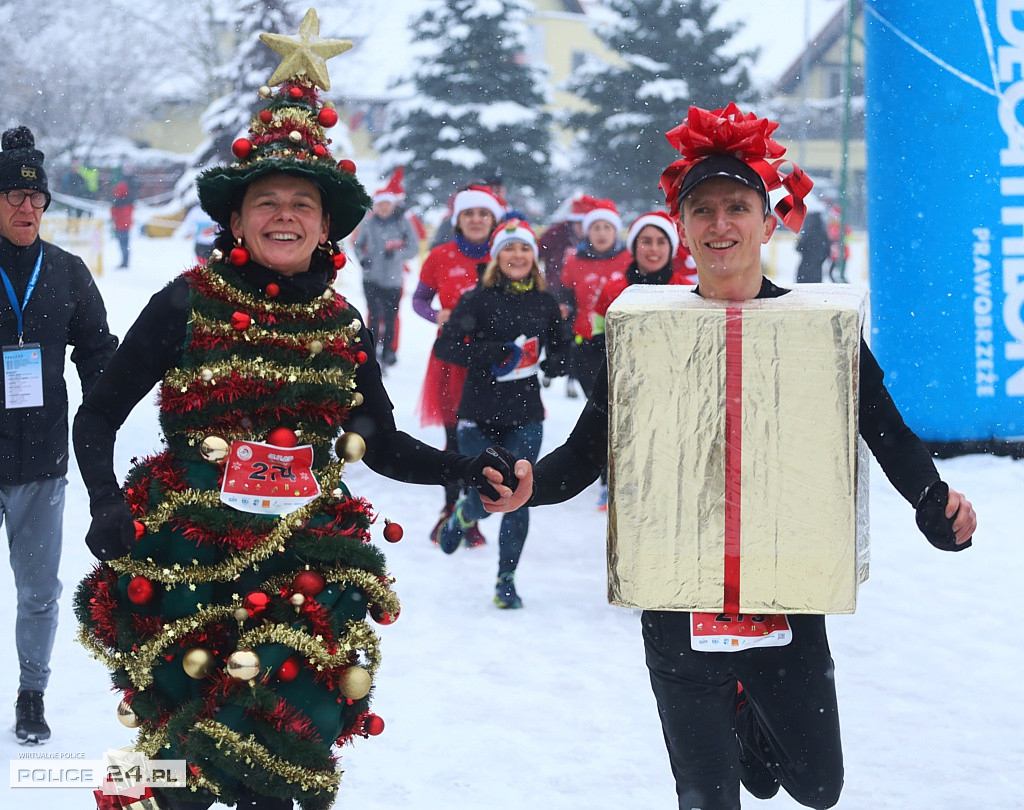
152, 346
389, 451
900, 453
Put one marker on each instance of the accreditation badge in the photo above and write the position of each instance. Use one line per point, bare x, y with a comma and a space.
23, 376
732, 632
268, 480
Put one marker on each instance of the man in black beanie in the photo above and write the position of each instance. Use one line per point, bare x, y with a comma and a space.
49, 302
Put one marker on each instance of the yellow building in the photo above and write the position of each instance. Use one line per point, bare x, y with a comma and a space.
812, 111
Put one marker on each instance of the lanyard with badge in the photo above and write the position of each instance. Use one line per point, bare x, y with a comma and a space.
23, 364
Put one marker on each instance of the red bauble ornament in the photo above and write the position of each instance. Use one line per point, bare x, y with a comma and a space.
273, 290
239, 256
392, 531
327, 117
361, 357
282, 437
347, 166
296, 92
256, 602
140, 591
340, 260
319, 150
289, 668
240, 321
266, 116
373, 725
241, 148
382, 616
308, 583
140, 529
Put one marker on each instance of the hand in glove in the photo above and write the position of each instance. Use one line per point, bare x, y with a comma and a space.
497, 458
508, 365
932, 520
112, 532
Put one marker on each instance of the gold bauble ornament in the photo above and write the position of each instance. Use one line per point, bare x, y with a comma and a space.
241, 614
350, 446
357, 399
214, 449
126, 717
216, 254
265, 92
198, 663
298, 599
355, 683
315, 346
243, 665
295, 136
206, 374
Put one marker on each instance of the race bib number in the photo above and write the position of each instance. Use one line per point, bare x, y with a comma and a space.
528, 363
23, 376
268, 480
732, 632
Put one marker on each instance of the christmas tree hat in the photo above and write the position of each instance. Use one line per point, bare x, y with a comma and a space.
288, 135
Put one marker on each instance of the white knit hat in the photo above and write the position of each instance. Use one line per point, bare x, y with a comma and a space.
515, 230
476, 197
658, 219
605, 210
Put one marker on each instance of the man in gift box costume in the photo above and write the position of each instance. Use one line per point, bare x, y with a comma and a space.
765, 714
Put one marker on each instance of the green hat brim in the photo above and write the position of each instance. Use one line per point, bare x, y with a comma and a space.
221, 189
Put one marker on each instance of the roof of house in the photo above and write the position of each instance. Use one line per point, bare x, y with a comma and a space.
789, 81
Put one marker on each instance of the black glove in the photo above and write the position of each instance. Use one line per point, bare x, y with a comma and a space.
932, 520
500, 459
112, 532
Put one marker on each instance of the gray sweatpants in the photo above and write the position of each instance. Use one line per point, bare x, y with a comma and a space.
34, 514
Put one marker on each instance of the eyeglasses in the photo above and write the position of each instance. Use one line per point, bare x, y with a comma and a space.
37, 198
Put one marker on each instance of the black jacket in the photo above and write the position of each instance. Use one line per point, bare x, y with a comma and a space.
904, 459
65, 309
477, 335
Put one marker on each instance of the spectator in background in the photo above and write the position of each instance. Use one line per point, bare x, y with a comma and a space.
814, 248
560, 241
201, 229
50, 303
122, 214
449, 271
385, 241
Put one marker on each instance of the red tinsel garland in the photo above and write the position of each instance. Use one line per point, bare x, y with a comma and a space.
103, 606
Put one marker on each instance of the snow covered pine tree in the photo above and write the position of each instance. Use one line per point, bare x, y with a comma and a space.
473, 103
672, 54
239, 638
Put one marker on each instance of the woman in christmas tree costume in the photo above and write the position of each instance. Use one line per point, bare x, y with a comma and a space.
232, 605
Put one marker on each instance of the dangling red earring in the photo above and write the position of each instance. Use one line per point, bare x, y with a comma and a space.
239, 254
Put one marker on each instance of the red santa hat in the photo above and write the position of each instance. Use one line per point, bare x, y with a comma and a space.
581, 205
602, 210
658, 219
476, 197
515, 230
394, 191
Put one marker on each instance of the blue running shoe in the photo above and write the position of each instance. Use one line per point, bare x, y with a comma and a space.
454, 530
505, 595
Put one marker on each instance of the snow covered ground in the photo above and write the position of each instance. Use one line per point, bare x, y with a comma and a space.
550, 707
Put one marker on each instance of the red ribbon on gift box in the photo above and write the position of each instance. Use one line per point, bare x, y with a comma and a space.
733, 455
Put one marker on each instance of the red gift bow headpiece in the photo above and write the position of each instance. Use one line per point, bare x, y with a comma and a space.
746, 137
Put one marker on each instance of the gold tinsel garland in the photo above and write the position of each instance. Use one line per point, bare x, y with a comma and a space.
359, 637
230, 294
260, 369
227, 569
370, 584
252, 750
255, 331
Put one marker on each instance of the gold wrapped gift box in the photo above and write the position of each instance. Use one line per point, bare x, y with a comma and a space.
736, 480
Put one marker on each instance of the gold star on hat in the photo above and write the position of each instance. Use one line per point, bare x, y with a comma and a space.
306, 53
